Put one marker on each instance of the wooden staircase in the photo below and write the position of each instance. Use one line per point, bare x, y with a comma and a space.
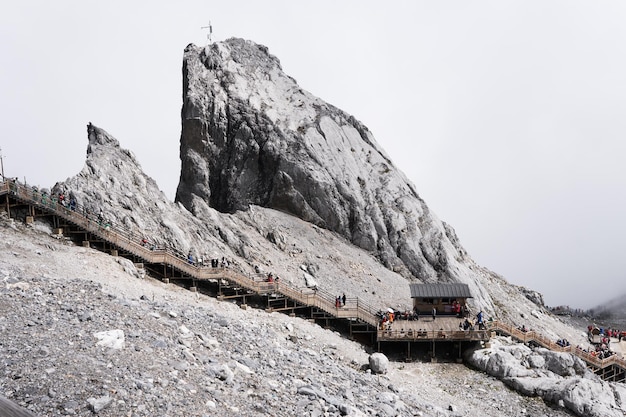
123, 240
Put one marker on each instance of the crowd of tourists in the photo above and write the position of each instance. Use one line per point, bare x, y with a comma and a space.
387, 318
563, 342
204, 261
600, 338
600, 351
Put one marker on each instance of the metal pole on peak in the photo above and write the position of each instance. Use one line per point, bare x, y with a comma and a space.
1, 164
6, 198
210, 27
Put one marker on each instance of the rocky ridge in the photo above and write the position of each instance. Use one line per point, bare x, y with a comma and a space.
229, 87
112, 181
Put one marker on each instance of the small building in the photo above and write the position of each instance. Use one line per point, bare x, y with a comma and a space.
443, 297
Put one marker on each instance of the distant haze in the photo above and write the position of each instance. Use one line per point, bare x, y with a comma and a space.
507, 116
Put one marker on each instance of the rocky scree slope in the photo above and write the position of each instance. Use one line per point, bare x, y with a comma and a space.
81, 334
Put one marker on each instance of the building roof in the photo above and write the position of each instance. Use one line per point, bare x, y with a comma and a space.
440, 291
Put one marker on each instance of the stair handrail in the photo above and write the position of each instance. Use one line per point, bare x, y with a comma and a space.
130, 241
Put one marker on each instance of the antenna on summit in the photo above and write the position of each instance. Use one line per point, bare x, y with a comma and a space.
1, 164
210, 27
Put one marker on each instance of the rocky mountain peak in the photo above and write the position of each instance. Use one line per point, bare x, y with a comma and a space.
113, 181
97, 136
249, 56
252, 136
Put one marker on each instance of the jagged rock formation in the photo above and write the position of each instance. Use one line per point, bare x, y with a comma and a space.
535, 296
112, 181
398, 236
410, 241
251, 135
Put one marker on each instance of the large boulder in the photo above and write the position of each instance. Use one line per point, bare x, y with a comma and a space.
378, 363
563, 364
557, 377
584, 397
113, 339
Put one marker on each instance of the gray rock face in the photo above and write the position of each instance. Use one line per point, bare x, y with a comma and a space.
252, 136
534, 296
112, 182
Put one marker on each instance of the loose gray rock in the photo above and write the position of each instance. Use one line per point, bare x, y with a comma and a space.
378, 363
113, 339
98, 404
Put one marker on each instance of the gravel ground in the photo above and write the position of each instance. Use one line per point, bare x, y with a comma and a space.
82, 334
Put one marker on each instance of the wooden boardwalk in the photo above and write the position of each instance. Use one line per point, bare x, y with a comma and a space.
444, 328
355, 309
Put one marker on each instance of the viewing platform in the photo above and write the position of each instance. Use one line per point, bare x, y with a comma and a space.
443, 328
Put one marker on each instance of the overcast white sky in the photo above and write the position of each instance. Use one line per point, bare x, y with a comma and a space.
508, 116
